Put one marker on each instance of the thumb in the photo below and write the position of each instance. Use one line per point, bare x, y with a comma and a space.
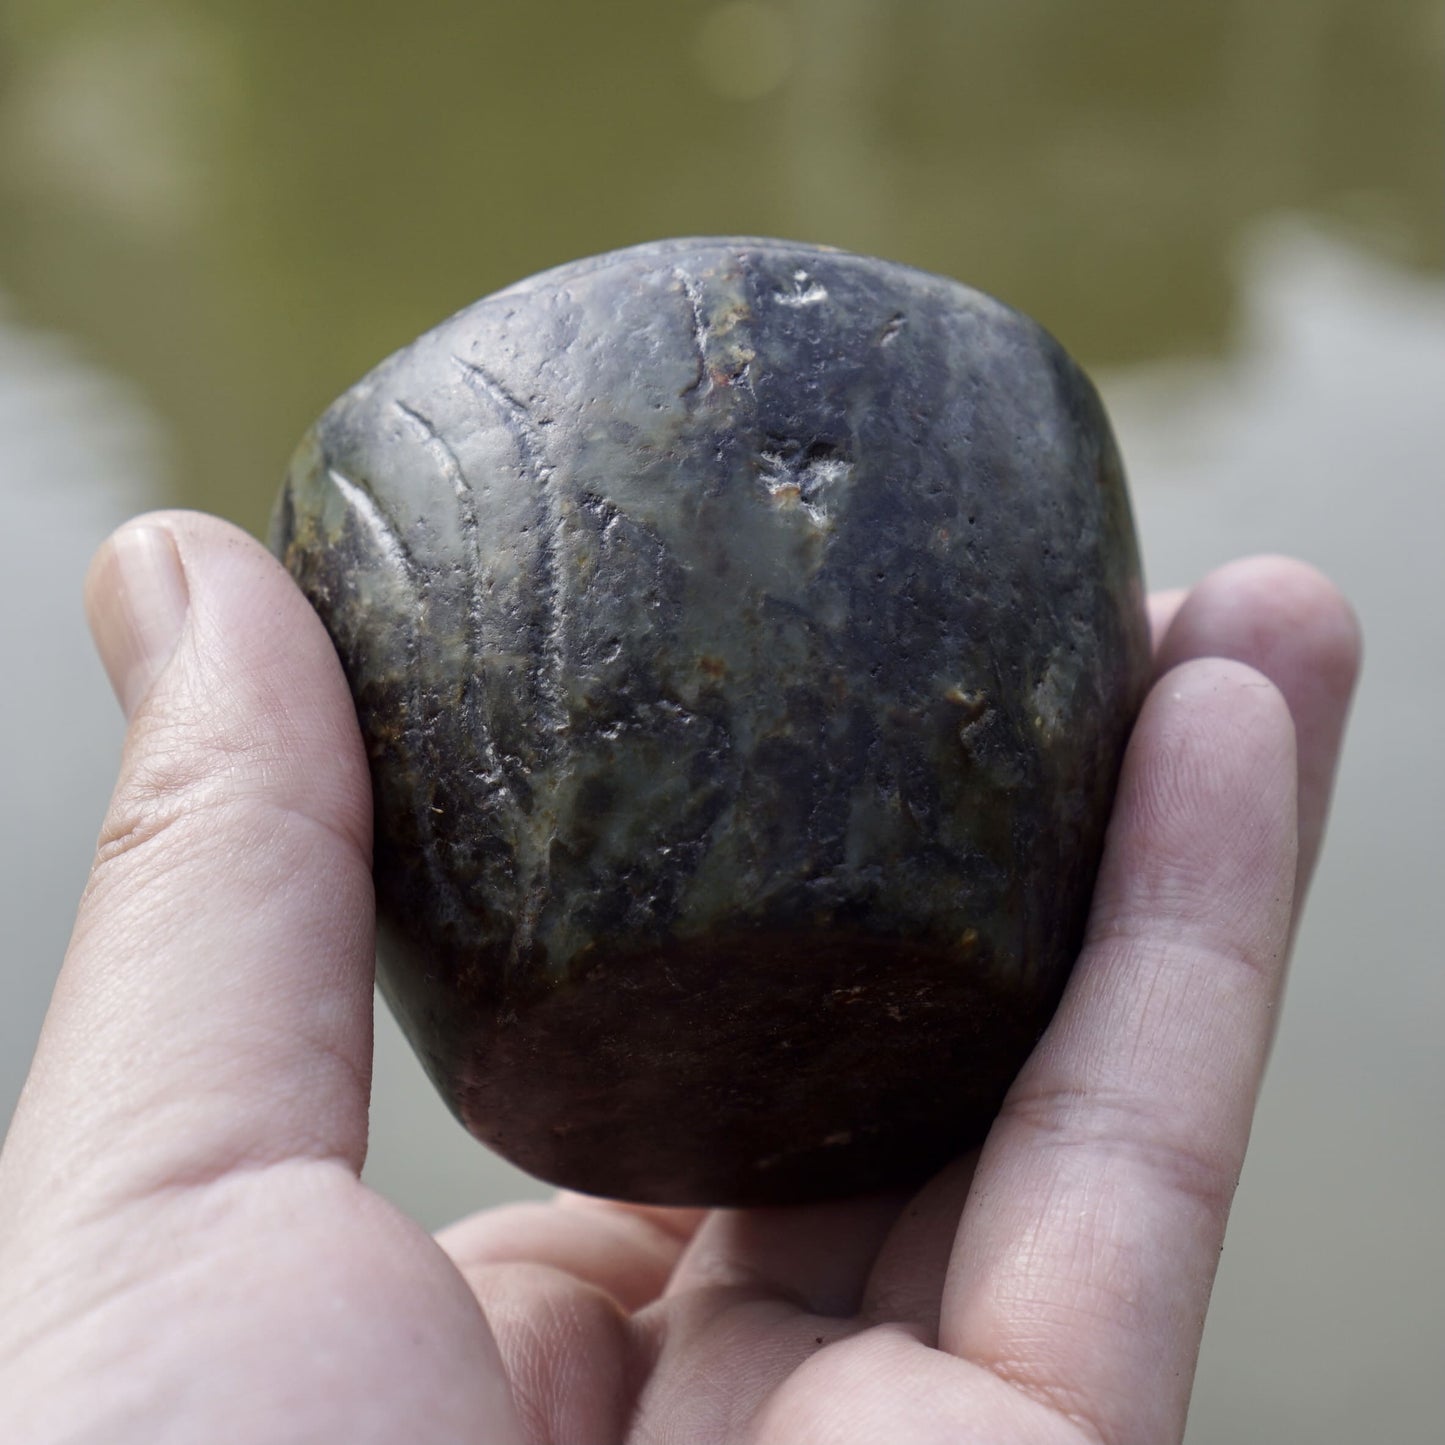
214, 1009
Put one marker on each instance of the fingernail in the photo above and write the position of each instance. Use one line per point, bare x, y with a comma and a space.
136, 599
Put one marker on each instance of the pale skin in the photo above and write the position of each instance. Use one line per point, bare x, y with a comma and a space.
187, 1253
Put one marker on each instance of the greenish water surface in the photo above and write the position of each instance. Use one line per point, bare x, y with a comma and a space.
242, 205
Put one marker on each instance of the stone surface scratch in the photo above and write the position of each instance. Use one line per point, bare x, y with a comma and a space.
384, 535
691, 290
450, 466
389, 544
546, 672
547, 665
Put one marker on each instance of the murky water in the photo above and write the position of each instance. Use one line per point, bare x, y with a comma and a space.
241, 205
215, 216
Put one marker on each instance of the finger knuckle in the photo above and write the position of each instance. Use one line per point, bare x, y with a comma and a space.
1121, 1130
169, 800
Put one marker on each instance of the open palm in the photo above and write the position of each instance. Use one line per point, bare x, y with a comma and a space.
186, 1251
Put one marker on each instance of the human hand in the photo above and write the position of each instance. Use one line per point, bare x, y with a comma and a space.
187, 1253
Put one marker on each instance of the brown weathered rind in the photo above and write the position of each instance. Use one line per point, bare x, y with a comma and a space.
746, 636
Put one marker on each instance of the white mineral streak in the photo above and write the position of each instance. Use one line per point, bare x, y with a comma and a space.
805, 292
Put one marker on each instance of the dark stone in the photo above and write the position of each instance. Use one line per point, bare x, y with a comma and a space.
745, 636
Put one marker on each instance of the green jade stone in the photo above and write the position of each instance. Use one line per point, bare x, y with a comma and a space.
745, 636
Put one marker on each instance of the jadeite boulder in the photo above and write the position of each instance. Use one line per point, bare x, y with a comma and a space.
745, 636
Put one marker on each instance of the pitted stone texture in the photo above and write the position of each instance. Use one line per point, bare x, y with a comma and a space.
745, 636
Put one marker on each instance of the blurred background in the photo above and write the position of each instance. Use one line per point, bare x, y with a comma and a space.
215, 216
